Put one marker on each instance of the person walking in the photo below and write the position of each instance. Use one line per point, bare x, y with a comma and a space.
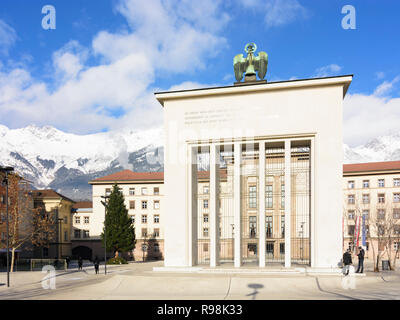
361, 254
80, 263
96, 265
347, 262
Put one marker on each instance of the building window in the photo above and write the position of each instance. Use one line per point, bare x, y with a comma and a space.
283, 226
156, 233
205, 190
144, 218
3, 237
205, 247
381, 230
65, 235
252, 226
350, 184
133, 219
156, 191
381, 183
365, 198
268, 226
205, 204
381, 198
156, 247
351, 214
350, 199
144, 191
144, 232
132, 204
86, 220
156, 218
396, 213
366, 214
108, 192
77, 220
282, 196
156, 204
205, 232
268, 196
381, 214
86, 233
205, 218
396, 230
351, 230
65, 220
396, 197
252, 197
365, 183
77, 234
144, 204
131, 191
45, 252
269, 249
396, 182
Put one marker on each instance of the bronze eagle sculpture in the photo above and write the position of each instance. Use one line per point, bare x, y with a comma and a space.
251, 64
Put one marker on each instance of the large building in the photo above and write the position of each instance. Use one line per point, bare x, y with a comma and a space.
60, 208
143, 194
372, 206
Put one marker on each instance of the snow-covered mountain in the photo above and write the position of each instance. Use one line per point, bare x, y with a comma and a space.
54, 159
66, 162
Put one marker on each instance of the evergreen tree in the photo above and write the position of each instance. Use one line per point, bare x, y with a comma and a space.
118, 225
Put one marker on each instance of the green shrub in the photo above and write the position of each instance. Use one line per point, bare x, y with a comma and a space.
118, 260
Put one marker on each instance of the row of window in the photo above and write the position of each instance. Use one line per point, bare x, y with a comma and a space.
81, 234
366, 183
78, 220
155, 234
132, 191
380, 214
253, 197
269, 248
366, 198
381, 230
144, 204
253, 226
144, 218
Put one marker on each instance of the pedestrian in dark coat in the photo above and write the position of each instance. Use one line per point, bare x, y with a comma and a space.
96, 265
80, 263
361, 254
347, 262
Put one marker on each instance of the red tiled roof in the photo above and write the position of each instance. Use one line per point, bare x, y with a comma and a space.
371, 166
83, 205
49, 193
128, 175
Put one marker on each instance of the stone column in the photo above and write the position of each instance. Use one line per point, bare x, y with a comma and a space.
192, 206
214, 205
237, 204
287, 204
261, 207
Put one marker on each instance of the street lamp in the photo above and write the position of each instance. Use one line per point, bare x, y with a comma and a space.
105, 204
6, 170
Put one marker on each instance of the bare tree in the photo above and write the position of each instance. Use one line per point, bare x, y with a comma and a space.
28, 226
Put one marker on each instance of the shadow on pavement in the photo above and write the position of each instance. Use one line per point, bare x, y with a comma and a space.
254, 286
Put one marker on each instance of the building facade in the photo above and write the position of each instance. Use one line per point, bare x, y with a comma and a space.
371, 215
143, 193
289, 131
60, 207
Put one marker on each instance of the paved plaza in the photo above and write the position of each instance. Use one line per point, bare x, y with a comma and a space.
138, 281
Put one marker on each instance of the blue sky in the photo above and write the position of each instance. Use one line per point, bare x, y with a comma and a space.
99, 68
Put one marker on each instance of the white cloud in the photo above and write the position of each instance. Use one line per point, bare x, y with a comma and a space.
277, 12
8, 36
329, 70
174, 37
369, 116
379, 75
386, 87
